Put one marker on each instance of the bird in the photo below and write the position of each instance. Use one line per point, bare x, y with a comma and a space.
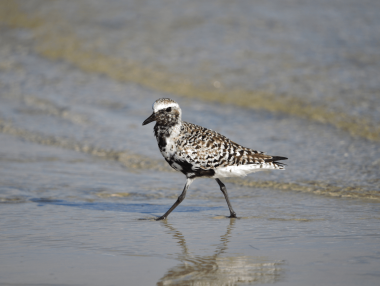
199, 152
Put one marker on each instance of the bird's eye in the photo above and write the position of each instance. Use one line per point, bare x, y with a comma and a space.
168, 109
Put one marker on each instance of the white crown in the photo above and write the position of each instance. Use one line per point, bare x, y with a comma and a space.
164, 103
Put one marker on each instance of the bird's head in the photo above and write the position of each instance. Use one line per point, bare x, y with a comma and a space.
165, 112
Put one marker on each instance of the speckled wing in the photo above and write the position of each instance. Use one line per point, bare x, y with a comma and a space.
207, 149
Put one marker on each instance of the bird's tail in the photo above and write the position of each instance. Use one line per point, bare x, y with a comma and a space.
275, 160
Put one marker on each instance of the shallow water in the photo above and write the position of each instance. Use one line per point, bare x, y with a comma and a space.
81, 180
70, 219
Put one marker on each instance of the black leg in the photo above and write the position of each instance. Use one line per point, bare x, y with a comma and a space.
179, 200
224, 191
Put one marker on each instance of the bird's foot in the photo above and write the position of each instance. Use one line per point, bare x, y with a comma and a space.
232, 215
161, 218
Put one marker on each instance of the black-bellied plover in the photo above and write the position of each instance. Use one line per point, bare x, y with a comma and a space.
199, 152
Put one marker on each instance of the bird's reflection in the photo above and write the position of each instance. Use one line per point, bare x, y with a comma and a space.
219, 269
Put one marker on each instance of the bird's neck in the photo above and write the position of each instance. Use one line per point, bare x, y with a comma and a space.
167, 135
167, 130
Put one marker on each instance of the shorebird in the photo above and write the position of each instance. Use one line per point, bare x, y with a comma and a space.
199, 152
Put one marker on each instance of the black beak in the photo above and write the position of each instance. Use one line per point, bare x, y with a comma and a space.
150, 119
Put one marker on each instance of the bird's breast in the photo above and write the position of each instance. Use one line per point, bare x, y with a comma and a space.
167, 147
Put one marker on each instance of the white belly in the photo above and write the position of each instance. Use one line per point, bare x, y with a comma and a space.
243, 170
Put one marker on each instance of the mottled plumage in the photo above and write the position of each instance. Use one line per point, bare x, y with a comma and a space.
200, 152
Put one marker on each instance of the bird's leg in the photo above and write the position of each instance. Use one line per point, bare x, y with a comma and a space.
179, 200
224, 191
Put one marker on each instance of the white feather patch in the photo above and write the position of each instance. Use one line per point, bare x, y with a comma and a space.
163, 105
243, 170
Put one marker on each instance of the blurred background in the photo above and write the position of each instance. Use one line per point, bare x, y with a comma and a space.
294, 78
300, 78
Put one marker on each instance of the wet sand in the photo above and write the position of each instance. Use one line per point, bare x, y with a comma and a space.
81, 180
84, 221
